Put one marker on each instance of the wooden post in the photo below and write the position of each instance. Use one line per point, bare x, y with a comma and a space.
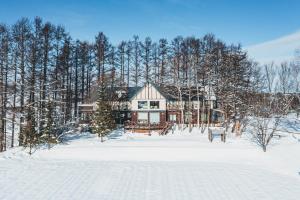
238, 128
210, 137
223, 137
149, 132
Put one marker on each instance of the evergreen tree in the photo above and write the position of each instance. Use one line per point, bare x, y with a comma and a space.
103, 121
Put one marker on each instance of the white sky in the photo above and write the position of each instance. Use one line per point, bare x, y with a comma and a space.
279, 50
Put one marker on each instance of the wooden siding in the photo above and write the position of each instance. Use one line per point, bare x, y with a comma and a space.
163, 118
149, 93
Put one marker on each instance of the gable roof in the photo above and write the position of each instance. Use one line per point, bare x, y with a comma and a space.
152, 84
169, 92
132, 91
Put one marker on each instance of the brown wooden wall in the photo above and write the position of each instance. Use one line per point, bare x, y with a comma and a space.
134, 117
163, 117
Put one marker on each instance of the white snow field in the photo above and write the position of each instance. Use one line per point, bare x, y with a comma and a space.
181, 166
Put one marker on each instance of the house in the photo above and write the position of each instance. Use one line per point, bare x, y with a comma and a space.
151, 107
148, 108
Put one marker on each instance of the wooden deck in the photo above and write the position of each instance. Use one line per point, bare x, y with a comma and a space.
146, 128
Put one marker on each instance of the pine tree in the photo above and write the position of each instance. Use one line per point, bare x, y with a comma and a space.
103, 121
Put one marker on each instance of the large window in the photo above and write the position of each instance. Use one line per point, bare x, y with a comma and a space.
154, 104
154, 118
172, 117
142, 105
142, 117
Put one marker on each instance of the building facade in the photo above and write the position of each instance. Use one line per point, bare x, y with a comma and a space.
152, 107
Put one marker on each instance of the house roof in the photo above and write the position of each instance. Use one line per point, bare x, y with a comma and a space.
159, 89
171, 93
132, 91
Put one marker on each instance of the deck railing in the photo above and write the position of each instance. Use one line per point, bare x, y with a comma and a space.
143, 126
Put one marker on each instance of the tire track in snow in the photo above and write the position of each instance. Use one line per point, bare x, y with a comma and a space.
108, 180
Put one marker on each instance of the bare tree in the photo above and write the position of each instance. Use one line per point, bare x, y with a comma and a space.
102, 51
266, 109
163, 56
121, 60
147, 57
128, 60
295, 71
21, 34
4, 67
136, 60
284, 75
270, 75
266, 114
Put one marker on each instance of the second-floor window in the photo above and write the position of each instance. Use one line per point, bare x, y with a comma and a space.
154, 104
142, 105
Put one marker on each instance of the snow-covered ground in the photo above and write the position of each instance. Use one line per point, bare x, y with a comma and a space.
139, 167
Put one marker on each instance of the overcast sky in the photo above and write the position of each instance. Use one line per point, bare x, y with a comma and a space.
268, 29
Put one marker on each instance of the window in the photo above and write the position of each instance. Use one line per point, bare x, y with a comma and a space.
142, 117
172, 118
142, 105
154, 118
154, 104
